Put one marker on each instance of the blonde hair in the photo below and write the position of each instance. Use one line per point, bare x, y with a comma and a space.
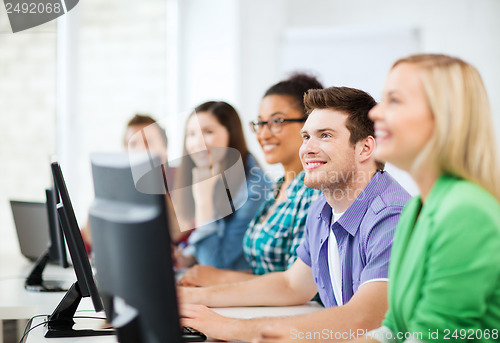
463, 142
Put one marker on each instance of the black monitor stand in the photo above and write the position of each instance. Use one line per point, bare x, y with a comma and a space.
56, 251
60, 323
36, 283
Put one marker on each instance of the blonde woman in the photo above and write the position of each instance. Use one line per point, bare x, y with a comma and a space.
435, 122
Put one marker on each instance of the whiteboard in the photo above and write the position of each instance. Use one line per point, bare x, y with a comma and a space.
357, 57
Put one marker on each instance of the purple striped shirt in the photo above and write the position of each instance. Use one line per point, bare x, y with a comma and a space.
364, 237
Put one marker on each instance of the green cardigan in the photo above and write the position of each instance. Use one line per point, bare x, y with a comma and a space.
445, 268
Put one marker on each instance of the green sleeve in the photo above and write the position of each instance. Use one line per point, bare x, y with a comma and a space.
388, 320
463, 270
404, 220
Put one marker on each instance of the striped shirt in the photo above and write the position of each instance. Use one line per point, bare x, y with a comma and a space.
364, 237
271, 241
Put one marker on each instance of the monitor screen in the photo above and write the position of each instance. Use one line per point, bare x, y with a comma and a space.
40, 237
32, 227
61, 321
131, 244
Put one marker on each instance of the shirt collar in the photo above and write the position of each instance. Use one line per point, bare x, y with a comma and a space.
352, 217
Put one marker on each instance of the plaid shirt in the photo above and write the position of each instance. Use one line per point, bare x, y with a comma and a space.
270, 244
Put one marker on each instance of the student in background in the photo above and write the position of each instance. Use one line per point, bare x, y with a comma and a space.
144, 133
155, 140
277, 229
435, 122
214, 142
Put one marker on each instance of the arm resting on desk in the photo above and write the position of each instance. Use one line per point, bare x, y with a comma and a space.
293, 287
204, 276
365, 311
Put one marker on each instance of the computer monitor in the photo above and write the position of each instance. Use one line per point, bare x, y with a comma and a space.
37, 224
131, 244
61, 321
57, 248
32, 227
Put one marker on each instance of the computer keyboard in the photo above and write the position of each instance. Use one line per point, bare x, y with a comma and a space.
192, 335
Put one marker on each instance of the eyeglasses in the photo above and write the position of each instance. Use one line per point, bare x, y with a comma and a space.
275, 125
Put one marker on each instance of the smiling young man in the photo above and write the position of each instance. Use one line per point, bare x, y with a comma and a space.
349, 230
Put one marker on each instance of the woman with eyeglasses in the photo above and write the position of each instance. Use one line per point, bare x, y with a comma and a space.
276, 231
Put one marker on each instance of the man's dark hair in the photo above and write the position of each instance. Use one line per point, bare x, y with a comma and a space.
353, 102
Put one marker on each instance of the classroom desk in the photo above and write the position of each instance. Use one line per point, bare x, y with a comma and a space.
36, 336
17, 303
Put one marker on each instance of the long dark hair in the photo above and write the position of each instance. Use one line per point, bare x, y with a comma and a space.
228, 117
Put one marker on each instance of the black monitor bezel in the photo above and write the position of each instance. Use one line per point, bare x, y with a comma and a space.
76, 247
115, 189
57, 248
60, 322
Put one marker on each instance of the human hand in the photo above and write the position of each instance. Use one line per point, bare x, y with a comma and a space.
203, 319
186, 295
180, 260
204, 181
199, 276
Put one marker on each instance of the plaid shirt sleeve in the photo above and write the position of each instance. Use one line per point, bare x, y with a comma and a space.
271, 244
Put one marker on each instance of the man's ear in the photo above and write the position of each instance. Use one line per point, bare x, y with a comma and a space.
365, 149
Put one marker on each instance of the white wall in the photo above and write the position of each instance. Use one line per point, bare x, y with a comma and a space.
469, 29
117, 66
226, 49
120, 71
207, 58
27, 118
262, 23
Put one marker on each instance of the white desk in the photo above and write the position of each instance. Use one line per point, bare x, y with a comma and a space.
17, 303
36, 336
84, 310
